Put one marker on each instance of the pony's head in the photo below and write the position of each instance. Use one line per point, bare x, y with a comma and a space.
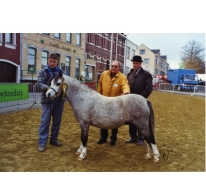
55, 88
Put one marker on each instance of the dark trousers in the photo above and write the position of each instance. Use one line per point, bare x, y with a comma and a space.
104, 134
133, 132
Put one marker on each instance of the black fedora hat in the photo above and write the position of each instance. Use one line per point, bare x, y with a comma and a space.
137, 58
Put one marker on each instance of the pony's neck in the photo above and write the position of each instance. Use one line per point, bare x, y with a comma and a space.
76, 91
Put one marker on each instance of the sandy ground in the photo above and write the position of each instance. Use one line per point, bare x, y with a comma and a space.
179, 131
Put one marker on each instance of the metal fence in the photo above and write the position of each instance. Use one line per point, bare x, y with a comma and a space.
34, 98
35, 94
192, 89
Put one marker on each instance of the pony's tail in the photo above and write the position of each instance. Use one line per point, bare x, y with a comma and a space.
151, 121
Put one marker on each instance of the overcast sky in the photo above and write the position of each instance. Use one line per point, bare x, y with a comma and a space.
154, 18
169, 43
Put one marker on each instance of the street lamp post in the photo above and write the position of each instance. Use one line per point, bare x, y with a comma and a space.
111, 51
125, 53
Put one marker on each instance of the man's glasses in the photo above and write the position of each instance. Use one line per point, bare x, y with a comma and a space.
114, 66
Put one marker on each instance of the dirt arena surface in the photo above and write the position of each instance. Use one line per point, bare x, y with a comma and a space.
179, 131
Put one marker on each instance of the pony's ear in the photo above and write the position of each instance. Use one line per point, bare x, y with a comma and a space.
60, 74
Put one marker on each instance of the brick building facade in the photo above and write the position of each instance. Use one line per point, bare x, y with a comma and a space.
10, 57
80, 55
103, 48
70, 47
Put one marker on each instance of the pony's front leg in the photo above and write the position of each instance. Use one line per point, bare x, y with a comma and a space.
148, 155
83, 147
78, 152
83, 153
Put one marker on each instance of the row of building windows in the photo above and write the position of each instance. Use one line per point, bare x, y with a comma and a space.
9, 40
104, 41
146, 61
66, 67
129, 54
162, 65
162, 73
44, 57
68, 37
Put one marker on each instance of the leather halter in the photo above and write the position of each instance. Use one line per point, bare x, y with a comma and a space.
56, 92
63, 87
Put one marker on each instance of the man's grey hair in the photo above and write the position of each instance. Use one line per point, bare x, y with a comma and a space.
117, 62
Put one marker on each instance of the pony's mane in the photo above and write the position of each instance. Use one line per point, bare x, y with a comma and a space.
50, 80
56, 77
79, 83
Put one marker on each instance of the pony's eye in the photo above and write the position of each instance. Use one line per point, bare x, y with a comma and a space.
58, 84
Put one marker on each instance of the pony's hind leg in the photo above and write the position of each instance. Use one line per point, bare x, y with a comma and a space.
149, 154
155, 152
151, 147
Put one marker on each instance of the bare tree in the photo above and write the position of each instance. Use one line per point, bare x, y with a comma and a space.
193, 57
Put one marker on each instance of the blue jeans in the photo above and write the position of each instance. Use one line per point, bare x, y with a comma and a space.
54, 110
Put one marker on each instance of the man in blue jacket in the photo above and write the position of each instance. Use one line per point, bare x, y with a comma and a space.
50, 108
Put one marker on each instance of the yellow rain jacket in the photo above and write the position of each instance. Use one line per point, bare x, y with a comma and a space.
116, 86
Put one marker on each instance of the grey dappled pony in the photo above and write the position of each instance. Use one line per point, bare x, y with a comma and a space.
92, 108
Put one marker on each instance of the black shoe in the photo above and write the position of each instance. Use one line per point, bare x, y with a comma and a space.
56, 143
113, 143
140, 142
131, 141
101, 141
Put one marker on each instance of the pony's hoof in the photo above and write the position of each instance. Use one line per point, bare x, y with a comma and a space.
80, 159
78, 153
82, 156
155, 160
147, 156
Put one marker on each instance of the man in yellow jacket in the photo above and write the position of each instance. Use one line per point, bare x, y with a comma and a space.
112, 83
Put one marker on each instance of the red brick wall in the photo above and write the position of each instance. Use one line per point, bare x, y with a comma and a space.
8, 53
92, 49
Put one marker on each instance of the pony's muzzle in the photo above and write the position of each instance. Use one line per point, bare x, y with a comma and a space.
48, 95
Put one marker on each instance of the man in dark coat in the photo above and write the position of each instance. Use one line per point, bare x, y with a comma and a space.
140, 82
